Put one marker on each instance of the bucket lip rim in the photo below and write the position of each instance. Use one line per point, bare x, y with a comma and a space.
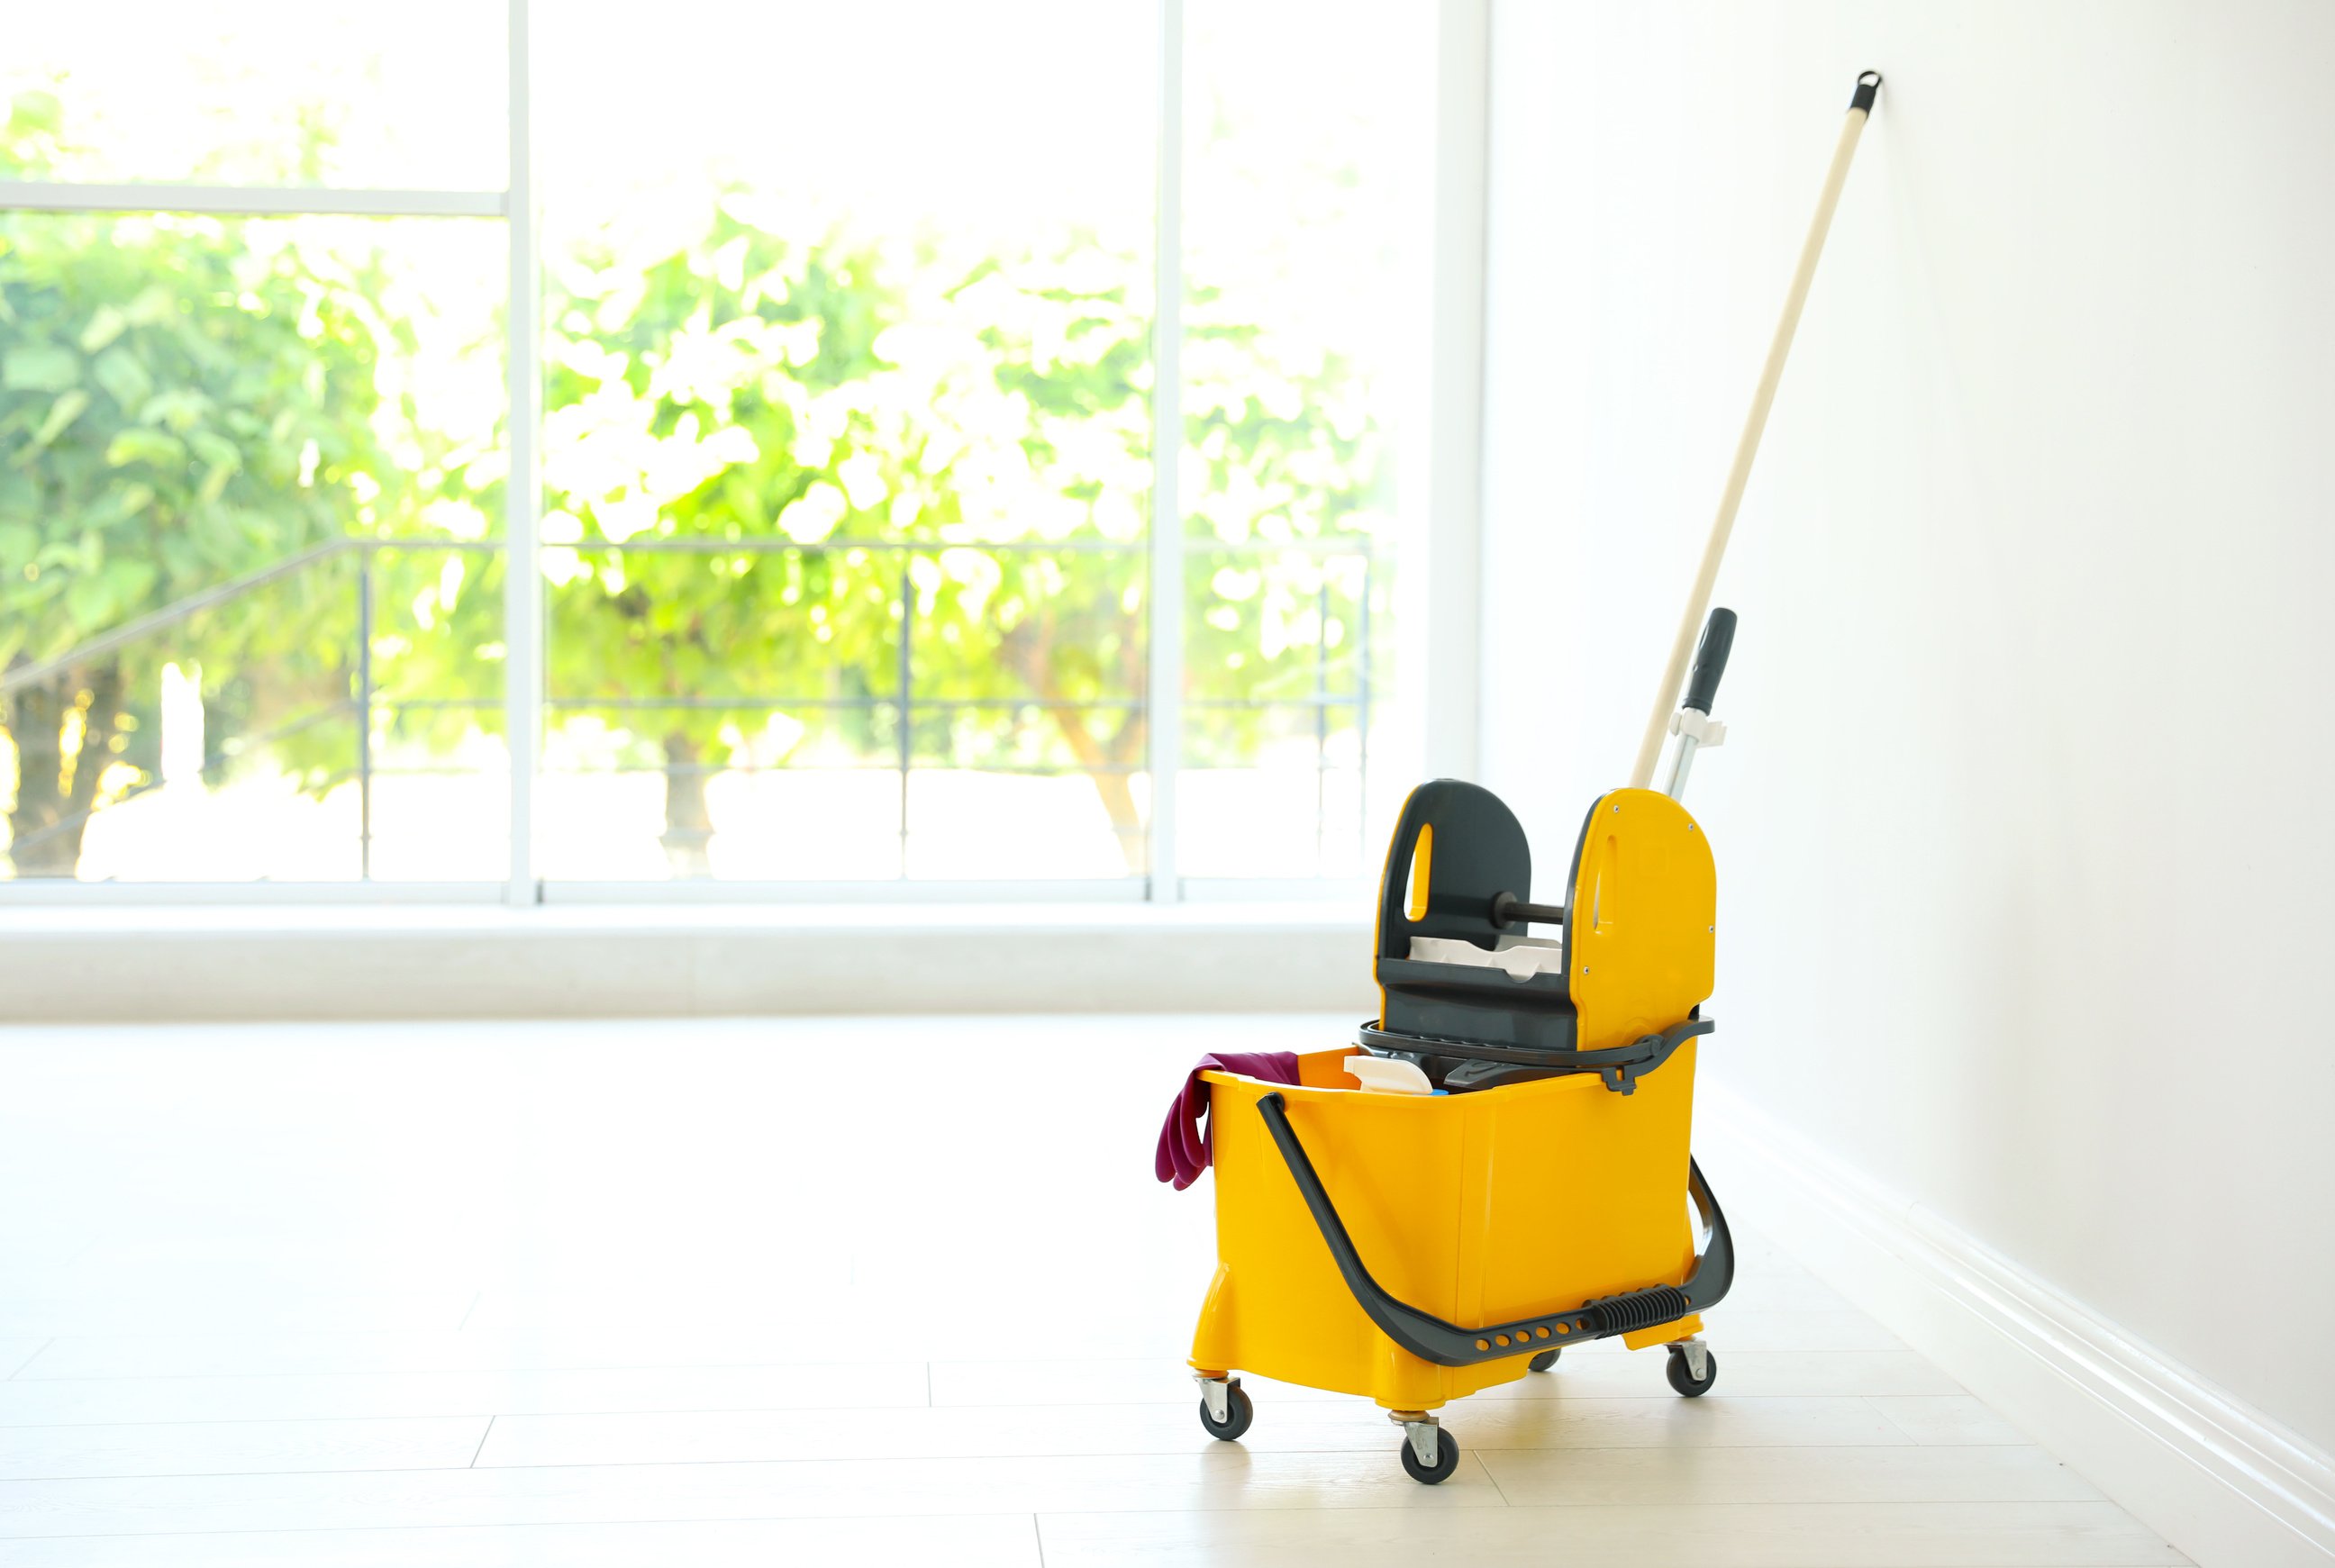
1572, 1080
1226, 1074
1216, 1075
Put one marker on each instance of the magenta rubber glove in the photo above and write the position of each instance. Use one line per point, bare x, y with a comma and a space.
1185, 1145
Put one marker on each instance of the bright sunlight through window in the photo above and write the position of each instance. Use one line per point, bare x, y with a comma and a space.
830, 343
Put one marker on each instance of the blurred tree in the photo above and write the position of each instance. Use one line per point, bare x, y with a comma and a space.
957, 454
178, 406
769, 453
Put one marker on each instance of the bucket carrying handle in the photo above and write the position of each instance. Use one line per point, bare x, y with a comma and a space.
1430, 1339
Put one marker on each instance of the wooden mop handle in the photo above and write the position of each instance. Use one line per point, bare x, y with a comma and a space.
1650, 750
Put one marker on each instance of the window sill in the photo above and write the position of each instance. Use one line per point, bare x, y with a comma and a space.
157, 963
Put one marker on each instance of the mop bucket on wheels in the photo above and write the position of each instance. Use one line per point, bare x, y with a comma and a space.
1532, 1189
1414, 1248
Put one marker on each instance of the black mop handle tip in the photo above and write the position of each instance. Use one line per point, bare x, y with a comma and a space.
1710, 660
1868, 87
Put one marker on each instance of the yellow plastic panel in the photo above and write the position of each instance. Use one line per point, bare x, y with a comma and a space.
1684, 1328
1640, 933
1590, 1195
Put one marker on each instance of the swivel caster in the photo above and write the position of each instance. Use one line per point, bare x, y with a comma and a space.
1543, 1360
1692, 1368
1225, 1407
1430, 1453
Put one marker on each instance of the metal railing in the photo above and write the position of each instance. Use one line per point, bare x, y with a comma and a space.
365, 700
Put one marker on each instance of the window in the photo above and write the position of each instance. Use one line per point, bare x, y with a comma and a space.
830, 346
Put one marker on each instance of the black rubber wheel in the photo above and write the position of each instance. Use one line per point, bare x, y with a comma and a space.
1544, 1359
1683, 1381
1447, 1460
1238, 1413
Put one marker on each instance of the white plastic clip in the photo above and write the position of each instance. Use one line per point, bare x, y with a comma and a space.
1700, 728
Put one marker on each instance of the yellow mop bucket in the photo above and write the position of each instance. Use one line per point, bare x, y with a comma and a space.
1414, 1248
1511, 1206
1532, 1193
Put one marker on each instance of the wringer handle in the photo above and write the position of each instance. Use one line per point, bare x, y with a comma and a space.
1710, 660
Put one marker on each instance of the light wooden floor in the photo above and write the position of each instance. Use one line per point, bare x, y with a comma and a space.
823, 1291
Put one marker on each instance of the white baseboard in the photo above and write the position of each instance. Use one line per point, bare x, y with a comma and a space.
2217, 1478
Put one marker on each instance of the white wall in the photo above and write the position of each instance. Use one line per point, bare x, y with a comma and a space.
2026, 855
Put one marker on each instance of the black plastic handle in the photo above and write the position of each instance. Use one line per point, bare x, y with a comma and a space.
1507, 909
1431, 1338
1621, 1065
1710, 660
1868, 88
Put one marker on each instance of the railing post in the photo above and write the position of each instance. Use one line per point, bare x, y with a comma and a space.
365, 716
1321, 715
908, 618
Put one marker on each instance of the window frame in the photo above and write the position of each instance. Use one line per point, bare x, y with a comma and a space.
1437, 529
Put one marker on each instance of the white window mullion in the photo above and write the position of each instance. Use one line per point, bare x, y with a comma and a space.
1164, 694
1441, 572
522, 583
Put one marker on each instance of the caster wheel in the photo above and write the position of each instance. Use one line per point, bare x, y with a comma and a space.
1238, 1413
1447, 1460
1543, 1360
1684, 1381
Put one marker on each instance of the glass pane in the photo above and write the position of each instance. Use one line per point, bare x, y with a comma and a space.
802, 791
1020, 790
206, 424
660, 620
218, 749
683, 680
1022, 664
1305, 323
799, 313
1061, 626
1276, 792
1284, 654
438, 761
343, 92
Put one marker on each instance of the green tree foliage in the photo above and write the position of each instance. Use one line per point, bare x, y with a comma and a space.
957, 456
180, 405
769, 454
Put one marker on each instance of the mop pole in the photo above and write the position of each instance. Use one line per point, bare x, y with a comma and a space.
1650, 750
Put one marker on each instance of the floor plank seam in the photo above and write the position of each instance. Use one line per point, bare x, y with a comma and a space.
1038, 1534
556, 1367
1653, 1509
1737, 1401
476, 1297
1358, 1452
482, 1443
1486, 1471
36, 1355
